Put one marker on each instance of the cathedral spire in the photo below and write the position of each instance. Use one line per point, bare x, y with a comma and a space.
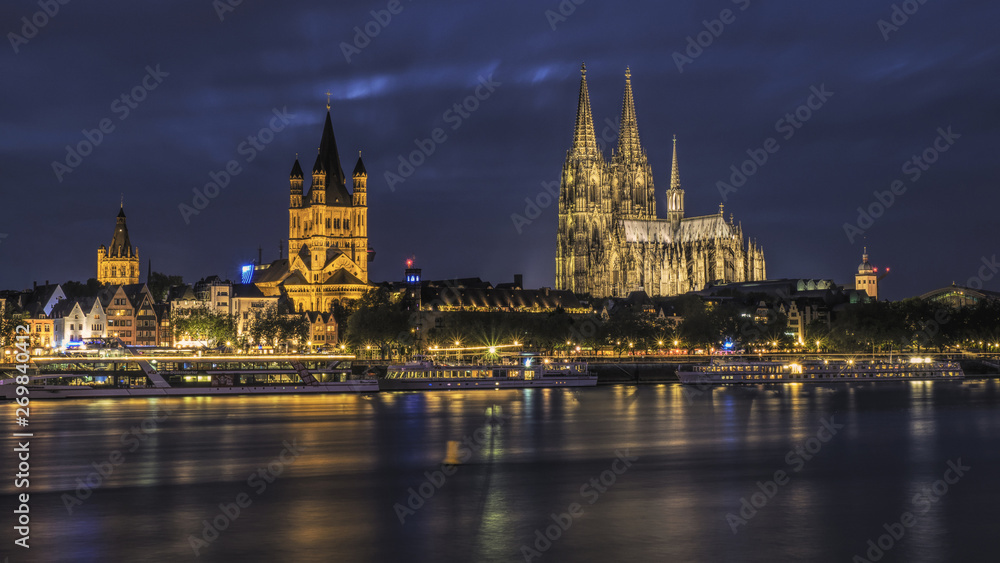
330, 155
675, 195
628, 135
121, 246
675, 174
584, 139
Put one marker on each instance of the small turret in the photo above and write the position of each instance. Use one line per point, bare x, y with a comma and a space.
295, 180
317, 191
360, 194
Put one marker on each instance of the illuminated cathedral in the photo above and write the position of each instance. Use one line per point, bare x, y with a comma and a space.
611, 241
328, 250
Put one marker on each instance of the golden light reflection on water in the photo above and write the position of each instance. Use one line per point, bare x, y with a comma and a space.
361, 454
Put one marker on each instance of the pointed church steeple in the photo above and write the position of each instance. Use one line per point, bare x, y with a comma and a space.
675, 195
628, 134
584, 139
119, 263
317, 191
675, 173
295, 183
296, 172
121, 246
329, 154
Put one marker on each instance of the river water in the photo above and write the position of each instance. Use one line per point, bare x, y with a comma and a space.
618, 473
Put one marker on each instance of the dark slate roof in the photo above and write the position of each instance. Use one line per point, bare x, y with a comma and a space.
359, 169
36, 310
42, 294
63, 308
276, 272
343, 277
87, 303
316, 317
121, 246
462, 283
181, 293
106, 294
305, 256
135, 293
246, 290
318, 165
500, 299
295, 279
336, 182
162, 310
296, 170
331, 157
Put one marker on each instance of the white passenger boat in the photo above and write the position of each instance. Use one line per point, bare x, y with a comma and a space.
425, 374
149, 376
722, 372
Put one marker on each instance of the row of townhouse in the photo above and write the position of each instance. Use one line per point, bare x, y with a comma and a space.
130, 312
126, 312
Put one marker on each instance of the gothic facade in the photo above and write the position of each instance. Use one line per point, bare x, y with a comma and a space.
328, 250
611, 241
119, 263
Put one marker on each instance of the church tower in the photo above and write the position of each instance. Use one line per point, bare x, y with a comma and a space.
585, 202
119, 263
632, 181
675, 195
359, 226
327, 230
867, 277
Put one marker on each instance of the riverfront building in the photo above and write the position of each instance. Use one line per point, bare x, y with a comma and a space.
328, 251
118, 264
611, 241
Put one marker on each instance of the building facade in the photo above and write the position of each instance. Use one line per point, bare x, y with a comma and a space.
611, 240
322, 331
119, 263
74, 320
328, 250
867, 277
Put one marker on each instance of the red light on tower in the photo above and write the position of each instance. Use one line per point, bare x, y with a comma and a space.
409, 263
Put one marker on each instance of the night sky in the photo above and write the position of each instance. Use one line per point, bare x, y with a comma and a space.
219, 82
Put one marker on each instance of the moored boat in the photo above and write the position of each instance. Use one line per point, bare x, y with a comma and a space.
73, 377
425, 374
723, 372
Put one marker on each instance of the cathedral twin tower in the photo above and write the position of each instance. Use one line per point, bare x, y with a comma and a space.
611, 241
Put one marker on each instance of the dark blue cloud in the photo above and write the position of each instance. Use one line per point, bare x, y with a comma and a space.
939, 69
